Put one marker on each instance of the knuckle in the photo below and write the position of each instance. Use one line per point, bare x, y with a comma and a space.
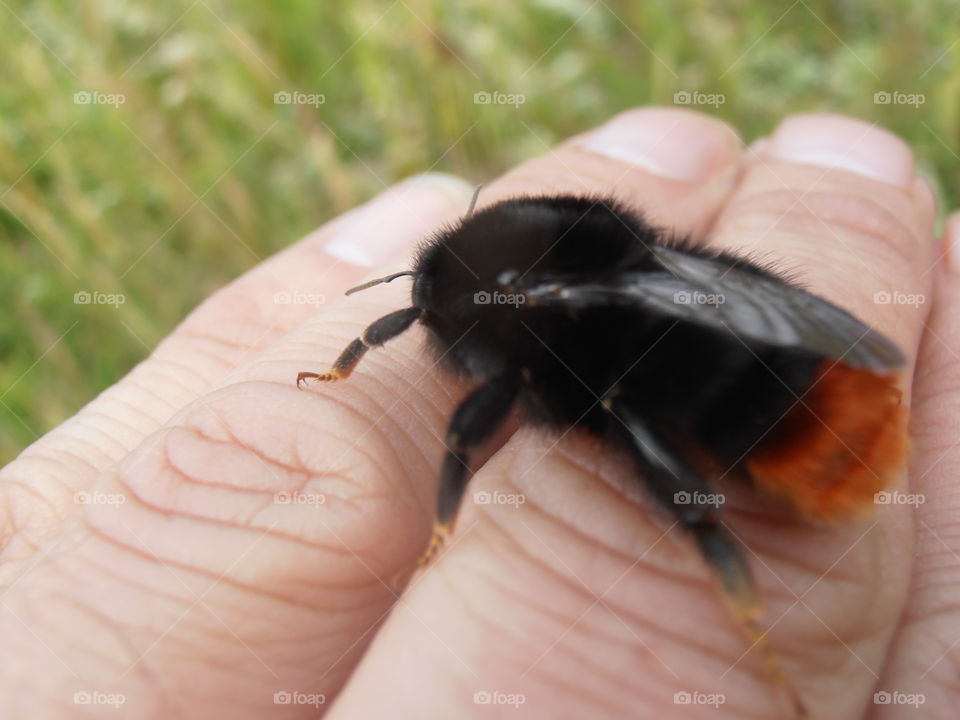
860, 225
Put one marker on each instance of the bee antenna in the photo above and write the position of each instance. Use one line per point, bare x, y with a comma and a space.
473, 200
378, 281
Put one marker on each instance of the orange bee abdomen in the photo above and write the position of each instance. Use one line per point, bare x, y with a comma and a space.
839, 445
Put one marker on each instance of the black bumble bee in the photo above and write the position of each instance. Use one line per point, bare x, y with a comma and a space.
693, 363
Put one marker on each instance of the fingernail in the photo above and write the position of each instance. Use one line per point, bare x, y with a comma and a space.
377, 231
676, 144
846, 144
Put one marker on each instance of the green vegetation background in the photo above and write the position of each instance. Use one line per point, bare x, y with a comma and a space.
199, 173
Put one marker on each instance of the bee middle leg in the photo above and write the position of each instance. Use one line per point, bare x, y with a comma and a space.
473, 422
677, 487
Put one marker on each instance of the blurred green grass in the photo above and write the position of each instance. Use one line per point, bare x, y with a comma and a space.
199, 172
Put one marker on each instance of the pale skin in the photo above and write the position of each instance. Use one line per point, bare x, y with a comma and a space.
180, 583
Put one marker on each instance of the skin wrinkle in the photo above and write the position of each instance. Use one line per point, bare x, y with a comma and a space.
256, 591
343, 406
185, 371
241, 607
180, 515
870, 220
562, 577
136, 410
329, 548
620, 612
383, 413
82, 639
224, 335
231, 303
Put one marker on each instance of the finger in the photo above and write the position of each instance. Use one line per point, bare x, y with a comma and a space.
836, 201
574, 602
303, 584
38, 488
676, 166
921, 670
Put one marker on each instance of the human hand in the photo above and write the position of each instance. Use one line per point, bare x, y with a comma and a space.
183, 584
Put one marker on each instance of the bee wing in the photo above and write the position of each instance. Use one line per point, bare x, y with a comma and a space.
733, 297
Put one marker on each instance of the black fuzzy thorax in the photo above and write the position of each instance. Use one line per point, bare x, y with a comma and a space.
696, 384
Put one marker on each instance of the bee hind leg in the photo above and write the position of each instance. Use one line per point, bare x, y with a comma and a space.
693, 502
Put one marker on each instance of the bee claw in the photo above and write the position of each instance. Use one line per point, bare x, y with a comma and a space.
437, 540
302, 377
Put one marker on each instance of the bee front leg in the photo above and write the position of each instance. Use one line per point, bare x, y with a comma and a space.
376, 334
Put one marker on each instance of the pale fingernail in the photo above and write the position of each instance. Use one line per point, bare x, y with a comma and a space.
844, 143
673, 143
379, 230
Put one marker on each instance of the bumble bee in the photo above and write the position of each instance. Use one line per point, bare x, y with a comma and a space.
693, 363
